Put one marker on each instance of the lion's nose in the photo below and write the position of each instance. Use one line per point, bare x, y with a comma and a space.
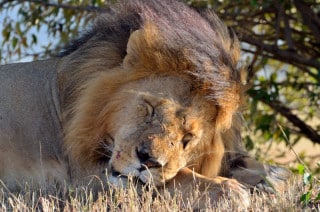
146, 160
114, 172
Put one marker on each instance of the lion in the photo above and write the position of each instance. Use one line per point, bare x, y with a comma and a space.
152, 91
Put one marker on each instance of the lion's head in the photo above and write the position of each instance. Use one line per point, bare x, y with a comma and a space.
155, 88
156, 127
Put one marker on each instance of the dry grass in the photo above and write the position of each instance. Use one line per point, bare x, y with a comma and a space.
82, 199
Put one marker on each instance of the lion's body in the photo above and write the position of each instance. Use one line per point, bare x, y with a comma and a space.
150, 92
30, 128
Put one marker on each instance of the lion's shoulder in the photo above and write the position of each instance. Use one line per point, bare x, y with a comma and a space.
29, 106
30, 128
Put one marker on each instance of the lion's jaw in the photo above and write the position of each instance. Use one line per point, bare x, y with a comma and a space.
157, 130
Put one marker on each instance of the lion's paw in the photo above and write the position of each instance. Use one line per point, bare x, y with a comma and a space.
276, 179
236, 192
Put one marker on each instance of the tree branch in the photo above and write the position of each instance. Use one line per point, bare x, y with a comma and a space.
3, 3
301, 67
67, 6
287, 30
305, 129
309, 18
283, 55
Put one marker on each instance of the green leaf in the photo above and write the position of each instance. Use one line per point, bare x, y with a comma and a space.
249, 143
253, 2
264, 122
6, 33
301, 169
14, 42
305, 198
34, 39
24, 41
18, 29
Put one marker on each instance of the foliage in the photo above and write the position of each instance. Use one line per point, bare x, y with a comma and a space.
283, 50
280, 43
311, 195
38, 28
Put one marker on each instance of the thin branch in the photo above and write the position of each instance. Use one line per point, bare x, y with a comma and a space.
309, 18
284, 55
3, 3
67, 6
298, 65
305, 129
288, 32
277, 27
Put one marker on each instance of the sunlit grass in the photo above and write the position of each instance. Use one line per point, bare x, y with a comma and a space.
112, 199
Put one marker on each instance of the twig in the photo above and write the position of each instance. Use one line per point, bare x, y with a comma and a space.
282, 55
305, 129
309, 18
67, 6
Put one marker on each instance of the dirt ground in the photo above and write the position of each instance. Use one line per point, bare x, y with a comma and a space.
305, 149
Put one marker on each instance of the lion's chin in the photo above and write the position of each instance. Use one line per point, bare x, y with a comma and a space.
145, 177
123, 181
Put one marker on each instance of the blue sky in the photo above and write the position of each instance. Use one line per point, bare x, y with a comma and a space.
42, 35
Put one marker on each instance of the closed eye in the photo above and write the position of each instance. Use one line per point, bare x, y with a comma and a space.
150, 109
186, 139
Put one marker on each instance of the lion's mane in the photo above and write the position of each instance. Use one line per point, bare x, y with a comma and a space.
171, 39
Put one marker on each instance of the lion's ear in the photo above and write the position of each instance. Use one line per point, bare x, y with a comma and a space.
141, 48
226, 115
223, 120
133, 48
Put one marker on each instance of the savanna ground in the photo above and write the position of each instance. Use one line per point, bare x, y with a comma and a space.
82, 199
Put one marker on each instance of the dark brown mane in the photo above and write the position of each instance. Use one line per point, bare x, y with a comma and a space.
187, 42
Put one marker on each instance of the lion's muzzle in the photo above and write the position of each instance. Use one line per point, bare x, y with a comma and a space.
146, 160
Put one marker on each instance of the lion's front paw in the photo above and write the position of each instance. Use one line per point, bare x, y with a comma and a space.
236, 192
276, 179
